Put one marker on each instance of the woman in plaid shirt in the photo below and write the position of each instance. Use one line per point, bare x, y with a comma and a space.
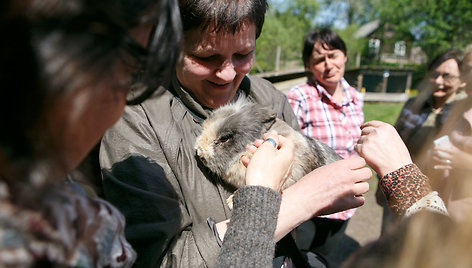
330, 110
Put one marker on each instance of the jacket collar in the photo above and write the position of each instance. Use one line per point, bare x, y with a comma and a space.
198, 111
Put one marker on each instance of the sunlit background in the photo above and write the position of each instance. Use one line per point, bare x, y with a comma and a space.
403, 33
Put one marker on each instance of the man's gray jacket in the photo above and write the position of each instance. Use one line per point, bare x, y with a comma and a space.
151, 173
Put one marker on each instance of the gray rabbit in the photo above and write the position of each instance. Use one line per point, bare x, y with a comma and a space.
231, 128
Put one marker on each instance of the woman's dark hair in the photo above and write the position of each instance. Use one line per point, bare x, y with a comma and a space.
454, 54
328, 39
49, 46
226, 15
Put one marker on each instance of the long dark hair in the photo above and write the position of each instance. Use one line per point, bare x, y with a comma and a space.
49, 45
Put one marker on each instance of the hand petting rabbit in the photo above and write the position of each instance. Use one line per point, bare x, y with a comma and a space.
229, 131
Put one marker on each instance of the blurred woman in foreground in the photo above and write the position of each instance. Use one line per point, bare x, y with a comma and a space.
66, 67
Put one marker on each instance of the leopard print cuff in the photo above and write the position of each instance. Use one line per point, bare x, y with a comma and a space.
404, 187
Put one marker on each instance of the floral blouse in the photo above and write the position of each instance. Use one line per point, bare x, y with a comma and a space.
61, 228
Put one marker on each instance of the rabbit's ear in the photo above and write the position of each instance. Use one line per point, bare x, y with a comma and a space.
268, 122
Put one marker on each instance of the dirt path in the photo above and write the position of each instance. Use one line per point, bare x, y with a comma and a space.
363, 227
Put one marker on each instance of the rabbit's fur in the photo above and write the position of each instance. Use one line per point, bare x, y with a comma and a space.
231, 128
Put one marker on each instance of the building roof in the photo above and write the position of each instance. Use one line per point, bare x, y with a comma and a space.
367, 29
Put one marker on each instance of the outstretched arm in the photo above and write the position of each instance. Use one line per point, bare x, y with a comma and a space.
328, 189
403, 184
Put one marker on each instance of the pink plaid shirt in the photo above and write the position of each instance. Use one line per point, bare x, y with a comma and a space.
337, 125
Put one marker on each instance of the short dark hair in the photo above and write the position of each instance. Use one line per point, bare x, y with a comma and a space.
454, 54
328, 38
226, 15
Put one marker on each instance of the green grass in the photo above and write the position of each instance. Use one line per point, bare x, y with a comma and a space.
382, 111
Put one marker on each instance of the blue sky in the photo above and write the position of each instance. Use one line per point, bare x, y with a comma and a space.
331, 14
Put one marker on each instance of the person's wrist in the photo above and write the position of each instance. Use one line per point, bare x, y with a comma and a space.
296, 198
261, 180
291, 214
392, 167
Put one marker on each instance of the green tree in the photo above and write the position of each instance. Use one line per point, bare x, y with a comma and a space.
273, 34
286, 27
433, 25
354, 45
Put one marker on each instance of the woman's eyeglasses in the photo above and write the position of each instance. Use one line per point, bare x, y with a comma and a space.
449, 78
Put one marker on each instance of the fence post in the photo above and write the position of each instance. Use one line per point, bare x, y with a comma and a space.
277, 58
385, 76
408, 80
360, 78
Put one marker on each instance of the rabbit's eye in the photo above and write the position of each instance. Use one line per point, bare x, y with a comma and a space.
224, 138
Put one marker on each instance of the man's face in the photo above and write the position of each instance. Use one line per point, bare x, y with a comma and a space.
215, 63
